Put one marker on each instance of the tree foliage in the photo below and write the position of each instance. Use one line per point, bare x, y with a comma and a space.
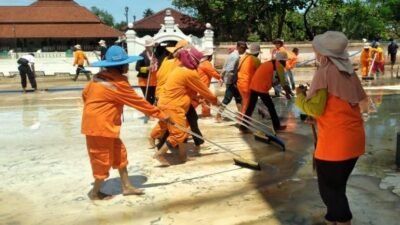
147, 12
266, 20
103, 15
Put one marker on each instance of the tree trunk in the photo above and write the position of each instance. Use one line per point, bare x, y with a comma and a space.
309, 33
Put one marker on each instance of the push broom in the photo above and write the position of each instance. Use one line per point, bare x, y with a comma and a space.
238, 159
259, 134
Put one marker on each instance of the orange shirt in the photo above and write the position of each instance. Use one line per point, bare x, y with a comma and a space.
247, 68
80, 57
181, 85
206, 72
365, 56
104, 98
341, 133
263, 77
162, 74
291, 62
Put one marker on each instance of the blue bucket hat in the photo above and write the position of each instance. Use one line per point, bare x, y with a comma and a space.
116, 56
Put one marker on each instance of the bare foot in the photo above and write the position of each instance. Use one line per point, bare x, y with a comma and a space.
161, 159
99, 196
152, 142
218, 118
130, 190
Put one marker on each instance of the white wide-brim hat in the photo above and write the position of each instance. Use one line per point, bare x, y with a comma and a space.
116, 56
78, 47
149, 42
253, 49
331, 44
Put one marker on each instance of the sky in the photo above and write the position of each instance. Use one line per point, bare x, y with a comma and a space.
114, 7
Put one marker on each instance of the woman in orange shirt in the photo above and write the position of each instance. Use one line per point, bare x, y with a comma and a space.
104, 98
181, 87
333, 100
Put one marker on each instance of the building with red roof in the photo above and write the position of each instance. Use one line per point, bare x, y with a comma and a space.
151, 25
52, 25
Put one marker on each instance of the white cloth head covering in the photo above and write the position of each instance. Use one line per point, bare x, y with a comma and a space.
254, 49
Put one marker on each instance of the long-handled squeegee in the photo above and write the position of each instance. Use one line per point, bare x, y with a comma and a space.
238, 159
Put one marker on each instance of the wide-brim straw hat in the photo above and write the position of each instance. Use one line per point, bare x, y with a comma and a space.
278, 41
149, 42
116, 56
254, 49
180, 44
366, 46
331, 44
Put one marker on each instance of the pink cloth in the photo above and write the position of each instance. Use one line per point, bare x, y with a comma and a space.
153, 62
190, 57
346, 87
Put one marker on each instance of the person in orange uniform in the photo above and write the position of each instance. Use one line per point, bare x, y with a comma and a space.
182, 85
290, 65
365, 60
79, 61
104, 98
147, 69
377, 54
248, 64
262, 83
206, 73
334, 101
166, 67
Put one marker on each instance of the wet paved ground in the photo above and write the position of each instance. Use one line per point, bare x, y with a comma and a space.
45, 172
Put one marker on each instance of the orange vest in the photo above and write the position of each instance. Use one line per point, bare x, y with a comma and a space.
162, 74
341, 133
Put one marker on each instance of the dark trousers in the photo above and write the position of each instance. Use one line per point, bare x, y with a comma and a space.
80, 69
192, 118
151, 93
231, 91
267, 100
332, 181
24, 71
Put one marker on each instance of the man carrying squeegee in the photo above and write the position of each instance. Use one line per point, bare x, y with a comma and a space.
262, 83
182, 85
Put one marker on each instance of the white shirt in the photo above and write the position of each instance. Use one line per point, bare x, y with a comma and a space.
30, 58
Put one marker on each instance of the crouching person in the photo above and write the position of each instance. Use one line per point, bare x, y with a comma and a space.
104, 98
180, 89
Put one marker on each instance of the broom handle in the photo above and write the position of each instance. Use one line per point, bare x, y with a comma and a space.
147, 85
247, 117
372, 65
203, 138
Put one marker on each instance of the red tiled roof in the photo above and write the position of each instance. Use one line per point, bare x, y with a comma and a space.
52, 19
154, 21
58, 31
50, 14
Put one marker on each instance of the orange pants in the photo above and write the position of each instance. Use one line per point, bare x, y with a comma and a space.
245, 94
178, 116
105, 153
364, 68
158, 130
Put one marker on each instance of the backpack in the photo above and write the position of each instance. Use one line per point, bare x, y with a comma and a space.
22, 61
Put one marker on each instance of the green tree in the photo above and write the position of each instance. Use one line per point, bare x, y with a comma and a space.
121, 25
103, 15
147, 12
